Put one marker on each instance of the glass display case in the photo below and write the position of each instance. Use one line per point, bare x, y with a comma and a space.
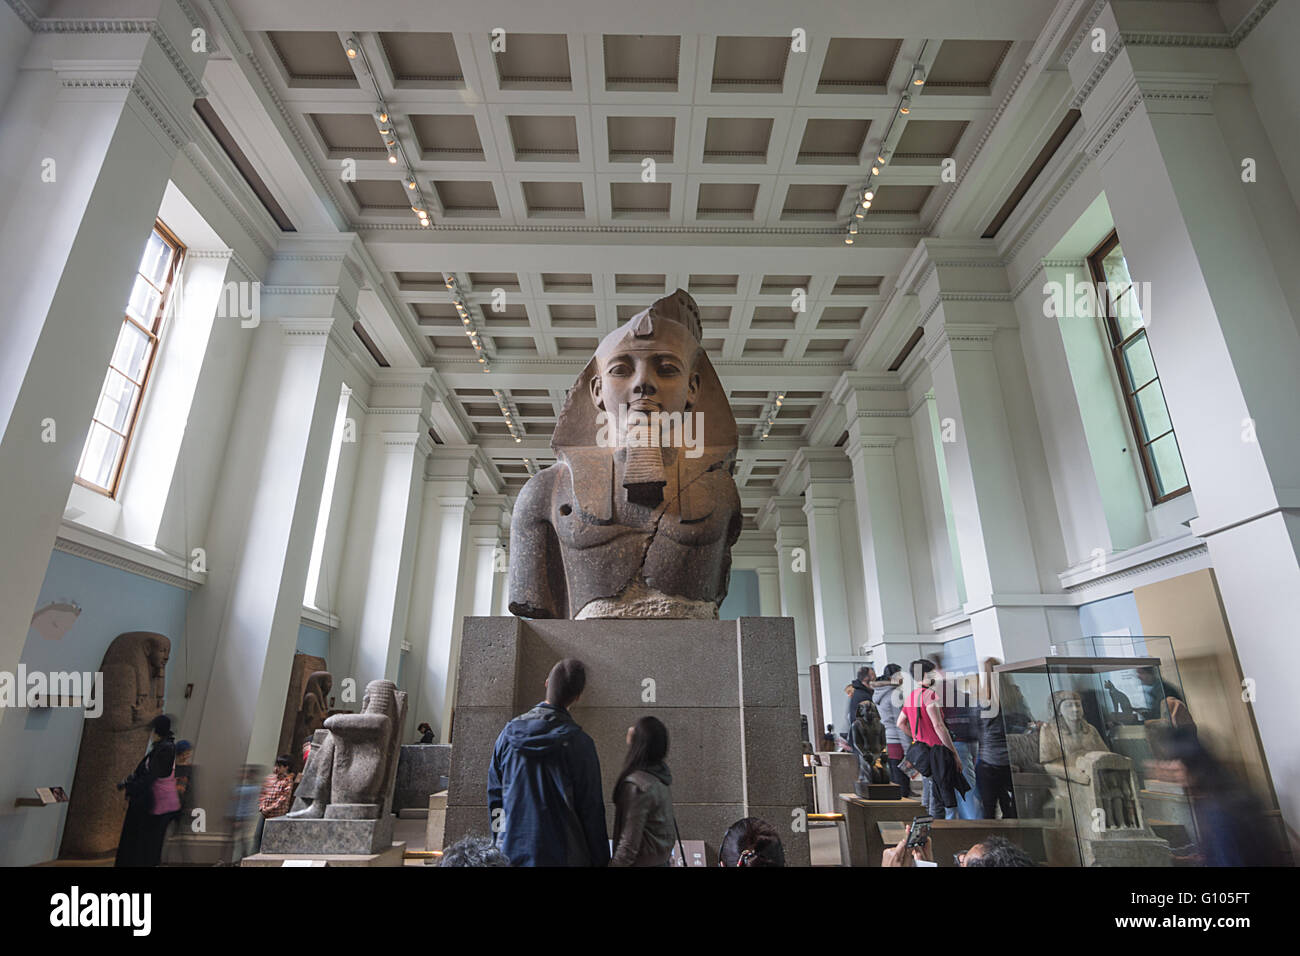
1079, 733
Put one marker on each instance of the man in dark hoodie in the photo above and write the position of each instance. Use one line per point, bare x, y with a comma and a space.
861, 690
544, 782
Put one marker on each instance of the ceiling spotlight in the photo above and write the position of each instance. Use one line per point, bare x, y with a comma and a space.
449, 282
410, 182
848, 241
880, 157
382, 115
425, 221
869, 195
905, 107
853, 231
875, 170
392, 156
859, 213
918, 76
352, 47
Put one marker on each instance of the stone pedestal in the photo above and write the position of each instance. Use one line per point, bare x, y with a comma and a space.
392, 856
422, 770
727, 691
332, 835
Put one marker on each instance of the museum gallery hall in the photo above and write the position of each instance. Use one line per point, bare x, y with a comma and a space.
893, 407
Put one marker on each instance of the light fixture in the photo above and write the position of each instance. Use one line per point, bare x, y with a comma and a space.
905, 106
410, 184
869, 195
859, 213
853, 231
392, 156
918, 75
381, 115
848, 241
352, 47
875, 170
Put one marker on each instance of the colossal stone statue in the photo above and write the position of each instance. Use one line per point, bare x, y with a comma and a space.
134, 669
638, 515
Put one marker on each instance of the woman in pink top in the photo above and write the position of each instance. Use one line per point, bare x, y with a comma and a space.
923, 717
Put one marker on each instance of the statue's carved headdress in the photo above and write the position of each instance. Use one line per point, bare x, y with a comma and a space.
672, 322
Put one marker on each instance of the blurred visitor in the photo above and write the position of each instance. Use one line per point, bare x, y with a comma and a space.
243, 815
275, 797
888, 697
426, 733
993, 765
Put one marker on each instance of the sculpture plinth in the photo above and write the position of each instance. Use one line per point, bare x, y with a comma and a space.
727, 691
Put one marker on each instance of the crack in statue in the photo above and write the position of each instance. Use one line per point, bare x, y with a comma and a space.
629, 528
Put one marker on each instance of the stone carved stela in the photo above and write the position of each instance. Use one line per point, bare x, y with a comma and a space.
615, 528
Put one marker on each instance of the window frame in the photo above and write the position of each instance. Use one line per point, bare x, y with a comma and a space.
1117, 345
154, 334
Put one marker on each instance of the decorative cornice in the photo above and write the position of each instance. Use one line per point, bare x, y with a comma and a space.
1083, 31
1046, 211
1107, 580
199, 161
1098, 71
979, 146
836, 232
101, 556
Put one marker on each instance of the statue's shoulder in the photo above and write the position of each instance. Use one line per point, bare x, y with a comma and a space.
538, 491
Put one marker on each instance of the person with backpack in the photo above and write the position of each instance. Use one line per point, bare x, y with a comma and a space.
544, 782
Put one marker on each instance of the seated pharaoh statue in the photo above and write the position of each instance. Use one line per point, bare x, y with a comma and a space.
637, 517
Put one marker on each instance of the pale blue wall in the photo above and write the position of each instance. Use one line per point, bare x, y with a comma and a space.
313, 641
40, 746
1112, 614
742, 596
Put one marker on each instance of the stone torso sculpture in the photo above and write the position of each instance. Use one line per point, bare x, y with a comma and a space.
134, 669
638, 515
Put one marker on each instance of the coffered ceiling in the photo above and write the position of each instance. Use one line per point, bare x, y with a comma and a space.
609, 154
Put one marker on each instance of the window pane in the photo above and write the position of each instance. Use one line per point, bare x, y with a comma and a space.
1153, 415
1121, 294
99, 457
132, 352
157, 258
1168, 465
116, 401
1141, 366
144, 302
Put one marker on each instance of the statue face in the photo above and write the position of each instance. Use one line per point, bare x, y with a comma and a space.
658, 380
158, 655
1072, 712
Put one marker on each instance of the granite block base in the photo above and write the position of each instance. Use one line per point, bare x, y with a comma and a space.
422, 770
393, 856
727, 691
332, 836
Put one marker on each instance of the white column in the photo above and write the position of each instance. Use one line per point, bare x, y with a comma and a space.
384, 523
433, 626
1219, 254
245, 619
876, 413
91, 127
829, 482
784, 517
1003, 596
769, 591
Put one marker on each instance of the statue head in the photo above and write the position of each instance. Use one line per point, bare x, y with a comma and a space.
649, 364
159, 652
1068, 706
380, 698
318, 685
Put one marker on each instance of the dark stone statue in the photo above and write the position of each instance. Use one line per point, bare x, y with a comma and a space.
134, 670
311, 714
637, 517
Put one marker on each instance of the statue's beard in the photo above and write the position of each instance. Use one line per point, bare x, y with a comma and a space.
643, 475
